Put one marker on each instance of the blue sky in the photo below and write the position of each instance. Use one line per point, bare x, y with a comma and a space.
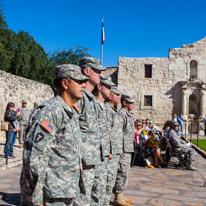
133, 28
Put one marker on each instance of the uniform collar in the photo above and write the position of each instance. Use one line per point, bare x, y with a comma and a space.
101, 104
65, 106
111, 106
128, 113
89, 94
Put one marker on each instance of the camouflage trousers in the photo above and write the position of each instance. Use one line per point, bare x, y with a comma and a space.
88, 181
100, 181
122, 173
190, 151
27, 201
111, 178
22, 134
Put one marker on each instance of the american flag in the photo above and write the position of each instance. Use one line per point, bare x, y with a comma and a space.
103, 34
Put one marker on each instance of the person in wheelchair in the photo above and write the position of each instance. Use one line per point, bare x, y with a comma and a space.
180, 146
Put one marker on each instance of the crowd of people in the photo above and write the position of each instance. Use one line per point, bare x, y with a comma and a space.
18, 120
150, 140
77, 146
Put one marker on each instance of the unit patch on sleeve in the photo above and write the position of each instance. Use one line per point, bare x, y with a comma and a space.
39, 137
47, 125
77, 107
121, 120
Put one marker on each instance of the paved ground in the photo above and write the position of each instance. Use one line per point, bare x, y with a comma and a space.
161, 187
11, 162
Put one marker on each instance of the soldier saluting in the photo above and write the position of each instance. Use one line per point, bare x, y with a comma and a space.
51, 158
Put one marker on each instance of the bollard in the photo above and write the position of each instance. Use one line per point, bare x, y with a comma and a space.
7, 147
198, 134
185, 131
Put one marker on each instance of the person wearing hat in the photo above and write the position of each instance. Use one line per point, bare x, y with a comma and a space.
35, 106
180, 146
86, 109
102, 92
52, 152
123, 172
24, 118
115, 124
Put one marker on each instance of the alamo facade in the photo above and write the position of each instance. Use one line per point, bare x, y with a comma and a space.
163, 87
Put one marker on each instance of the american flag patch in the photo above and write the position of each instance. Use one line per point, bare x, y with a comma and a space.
121, 120
47, 125
77, 107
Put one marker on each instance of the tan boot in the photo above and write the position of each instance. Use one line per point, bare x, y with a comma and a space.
21, 146
118, 201
125, 199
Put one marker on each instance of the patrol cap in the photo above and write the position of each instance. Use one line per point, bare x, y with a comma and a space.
35, 104
115, 90
91, 62
175, 123
24, 101
106, 80
128, 98
69, 70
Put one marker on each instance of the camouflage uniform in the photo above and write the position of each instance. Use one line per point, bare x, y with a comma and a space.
35, 104
115, 124
51, 157
25, 114
179, 146
128, 148
86, 109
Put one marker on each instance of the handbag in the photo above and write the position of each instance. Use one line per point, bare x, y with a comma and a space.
4, 126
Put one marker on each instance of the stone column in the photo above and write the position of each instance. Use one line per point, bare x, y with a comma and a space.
202, 104
184, 104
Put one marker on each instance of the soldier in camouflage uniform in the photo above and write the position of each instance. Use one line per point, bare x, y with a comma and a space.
115, 124
180, 146
128, 147
35, 106
88, 122
24, 118
101, 92
51, 157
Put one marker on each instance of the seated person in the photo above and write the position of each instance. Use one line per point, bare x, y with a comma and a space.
147, 151
180, 146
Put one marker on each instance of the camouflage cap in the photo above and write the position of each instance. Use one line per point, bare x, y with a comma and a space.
69, 70
91, 62
175, 123
115, 90
128, 98
24, 101
36, 104
106, 80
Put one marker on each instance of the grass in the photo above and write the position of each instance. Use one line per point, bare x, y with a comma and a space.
201, 143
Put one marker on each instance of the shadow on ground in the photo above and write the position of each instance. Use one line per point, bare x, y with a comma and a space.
10, 198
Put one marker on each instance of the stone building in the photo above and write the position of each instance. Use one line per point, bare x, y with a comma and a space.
163, 87
14, 89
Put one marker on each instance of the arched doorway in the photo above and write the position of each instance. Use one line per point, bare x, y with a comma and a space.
193, 69
192, 104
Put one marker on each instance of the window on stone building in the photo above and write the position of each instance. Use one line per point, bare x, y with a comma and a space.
148, 71
147, 100
193, 104
193, 69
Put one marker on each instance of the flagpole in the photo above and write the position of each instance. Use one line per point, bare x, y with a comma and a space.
102, 44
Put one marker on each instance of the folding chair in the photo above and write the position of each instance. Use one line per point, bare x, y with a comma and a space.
170, 151
137, 152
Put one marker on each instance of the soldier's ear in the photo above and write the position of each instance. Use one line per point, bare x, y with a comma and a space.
65, 84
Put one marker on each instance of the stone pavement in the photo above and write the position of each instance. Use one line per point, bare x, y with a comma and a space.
11, 162
161, 187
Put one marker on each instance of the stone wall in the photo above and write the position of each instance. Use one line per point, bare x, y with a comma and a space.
15, 89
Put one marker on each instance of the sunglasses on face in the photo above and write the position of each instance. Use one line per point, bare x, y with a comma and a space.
12, 106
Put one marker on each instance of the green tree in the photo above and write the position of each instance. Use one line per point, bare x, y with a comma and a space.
3, 23
69, 56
